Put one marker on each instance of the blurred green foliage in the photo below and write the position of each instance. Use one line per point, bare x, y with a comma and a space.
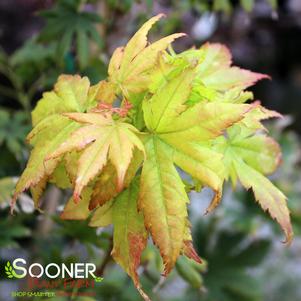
235, 254
13, 130
225, 6
67, 23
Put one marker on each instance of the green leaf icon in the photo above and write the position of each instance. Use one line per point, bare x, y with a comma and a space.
98, 279
10, 272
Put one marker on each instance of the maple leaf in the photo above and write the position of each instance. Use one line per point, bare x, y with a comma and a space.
37, 171
130, 235
101, 138
215, 70
128, 65
71, 94
248, 158
269, 196
216, 79
162, 199
188, 132
179, 137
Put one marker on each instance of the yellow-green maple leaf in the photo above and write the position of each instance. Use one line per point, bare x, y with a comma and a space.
129, 64
188, 131
71, 94
162, 199
215, 70
248, 158
130, 235
102, 138
37, 170
217, 80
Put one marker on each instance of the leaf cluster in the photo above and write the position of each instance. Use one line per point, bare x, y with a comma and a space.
124, 144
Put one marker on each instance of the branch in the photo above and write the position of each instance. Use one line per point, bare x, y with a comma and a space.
107, 258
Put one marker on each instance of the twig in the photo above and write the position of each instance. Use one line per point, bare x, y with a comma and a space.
107, 258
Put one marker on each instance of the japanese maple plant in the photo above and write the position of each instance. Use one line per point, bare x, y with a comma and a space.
122, 145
